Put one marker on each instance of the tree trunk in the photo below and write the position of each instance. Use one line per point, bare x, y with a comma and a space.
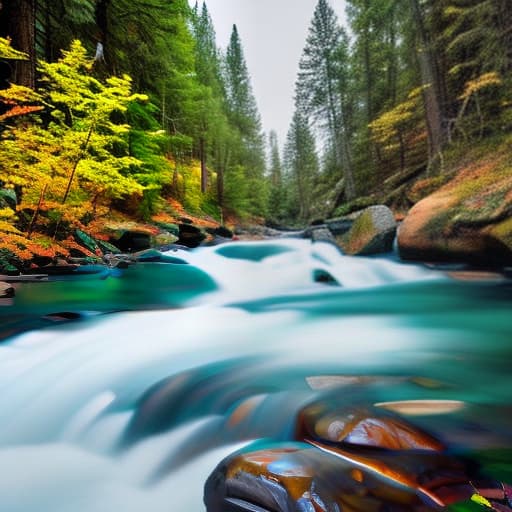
222, 165
503, 21
337, 126
204, 172
430, 79
101, 16
368, 68
18, 20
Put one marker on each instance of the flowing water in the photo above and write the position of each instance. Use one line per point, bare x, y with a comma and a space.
124, 393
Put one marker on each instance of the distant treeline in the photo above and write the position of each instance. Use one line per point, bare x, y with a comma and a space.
114, 98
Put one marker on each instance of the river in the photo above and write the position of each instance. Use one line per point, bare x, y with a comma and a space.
126, 402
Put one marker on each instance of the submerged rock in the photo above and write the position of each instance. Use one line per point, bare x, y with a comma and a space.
154, 256
372, 232
469, 219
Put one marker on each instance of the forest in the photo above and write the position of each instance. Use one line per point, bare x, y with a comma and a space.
132, 106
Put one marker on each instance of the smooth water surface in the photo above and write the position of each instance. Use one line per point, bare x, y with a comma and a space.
168, 368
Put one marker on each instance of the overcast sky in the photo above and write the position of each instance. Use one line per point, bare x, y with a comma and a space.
273, 33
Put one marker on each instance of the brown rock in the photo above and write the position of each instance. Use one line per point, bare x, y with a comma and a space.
468, 220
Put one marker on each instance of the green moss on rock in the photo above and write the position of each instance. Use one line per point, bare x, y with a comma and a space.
372, 232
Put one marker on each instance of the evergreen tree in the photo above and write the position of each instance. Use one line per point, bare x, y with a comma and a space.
244, 117
431, 76
211, 97
375, 66
321, 89
58, 23
277, 194
301, 163
476, 38
207, 56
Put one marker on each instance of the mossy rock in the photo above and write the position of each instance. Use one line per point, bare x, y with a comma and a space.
467, 220
372, 232
425, 187
169, 227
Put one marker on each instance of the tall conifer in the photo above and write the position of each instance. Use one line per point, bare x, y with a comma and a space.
244, 116
301, 164
321, 89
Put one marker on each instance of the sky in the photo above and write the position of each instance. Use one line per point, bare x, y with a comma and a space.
273, 34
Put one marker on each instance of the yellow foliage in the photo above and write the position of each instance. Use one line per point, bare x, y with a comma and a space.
8, 52
6, 213
19, 94
388, 124
7, 227
479, 83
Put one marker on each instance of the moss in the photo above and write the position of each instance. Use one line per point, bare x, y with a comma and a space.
425, 187
360, 233
355, 205
439, 226
503, 232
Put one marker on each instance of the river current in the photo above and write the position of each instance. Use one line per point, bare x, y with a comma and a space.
123, 393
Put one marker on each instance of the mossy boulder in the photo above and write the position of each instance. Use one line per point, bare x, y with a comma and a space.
467, 220
372, 232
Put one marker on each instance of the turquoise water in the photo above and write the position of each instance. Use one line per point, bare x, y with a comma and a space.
121, 393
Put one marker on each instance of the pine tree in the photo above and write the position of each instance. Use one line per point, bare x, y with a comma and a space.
375, 61
58, 23
276, 202
207, 61
244, 117
210, 99
301, 163
431, 77
321, 89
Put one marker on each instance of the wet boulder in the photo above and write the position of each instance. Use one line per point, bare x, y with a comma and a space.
372, 232
296, 478
322, 234
218, 235
190, 235
362, 426
154, 256
133, 241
